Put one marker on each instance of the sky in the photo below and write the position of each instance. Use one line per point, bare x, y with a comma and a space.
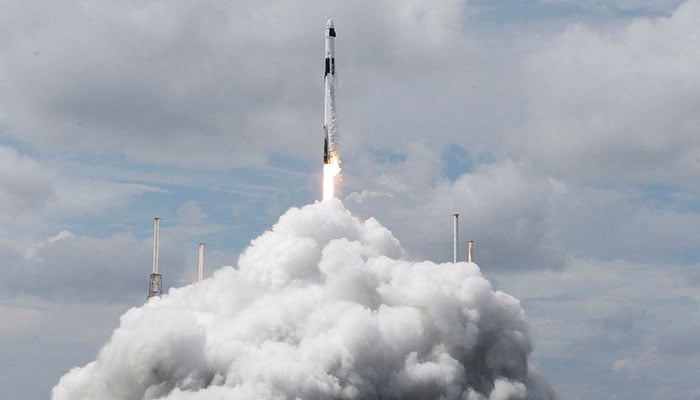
565, 133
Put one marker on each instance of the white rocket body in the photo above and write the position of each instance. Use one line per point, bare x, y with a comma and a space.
329, 128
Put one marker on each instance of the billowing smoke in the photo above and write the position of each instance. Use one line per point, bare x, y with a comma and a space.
320, 307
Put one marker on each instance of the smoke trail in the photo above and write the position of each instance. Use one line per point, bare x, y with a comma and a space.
320, 307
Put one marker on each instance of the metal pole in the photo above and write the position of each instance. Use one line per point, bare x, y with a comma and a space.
455, 247
201, 262
155, 284
156, 242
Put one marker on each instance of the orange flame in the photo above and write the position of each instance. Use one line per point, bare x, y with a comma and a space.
330, 174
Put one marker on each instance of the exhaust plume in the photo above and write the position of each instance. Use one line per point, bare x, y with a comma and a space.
322, 306
330, 174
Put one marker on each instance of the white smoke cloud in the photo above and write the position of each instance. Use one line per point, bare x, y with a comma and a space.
320, 307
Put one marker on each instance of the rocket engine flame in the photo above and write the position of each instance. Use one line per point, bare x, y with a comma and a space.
331, 172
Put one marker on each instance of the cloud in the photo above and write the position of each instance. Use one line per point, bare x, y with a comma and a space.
71, 267
616, 105
576, 122
23, 319
95, 195
619, 8
191, 214
25, 185
41, 197
67, 267
141, 83
506, 208
683, 343
158, 82
45, 336
611, 322
615, 223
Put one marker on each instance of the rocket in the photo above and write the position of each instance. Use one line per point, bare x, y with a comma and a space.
329, 128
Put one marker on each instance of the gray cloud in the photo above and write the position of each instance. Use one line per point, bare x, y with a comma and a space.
620, 224
610, 322
155, 82
505, 208
592, 114
69, 268
684, 343
45, 336
134, 80
617, 106
25, 186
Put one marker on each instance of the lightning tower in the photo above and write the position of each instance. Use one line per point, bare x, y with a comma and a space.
201, 262
155, 285
455, 239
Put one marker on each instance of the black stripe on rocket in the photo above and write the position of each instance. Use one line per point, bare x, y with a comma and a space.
330, 69
330, 66
326, 153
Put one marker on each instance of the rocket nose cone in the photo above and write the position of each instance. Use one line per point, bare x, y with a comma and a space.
329, 24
